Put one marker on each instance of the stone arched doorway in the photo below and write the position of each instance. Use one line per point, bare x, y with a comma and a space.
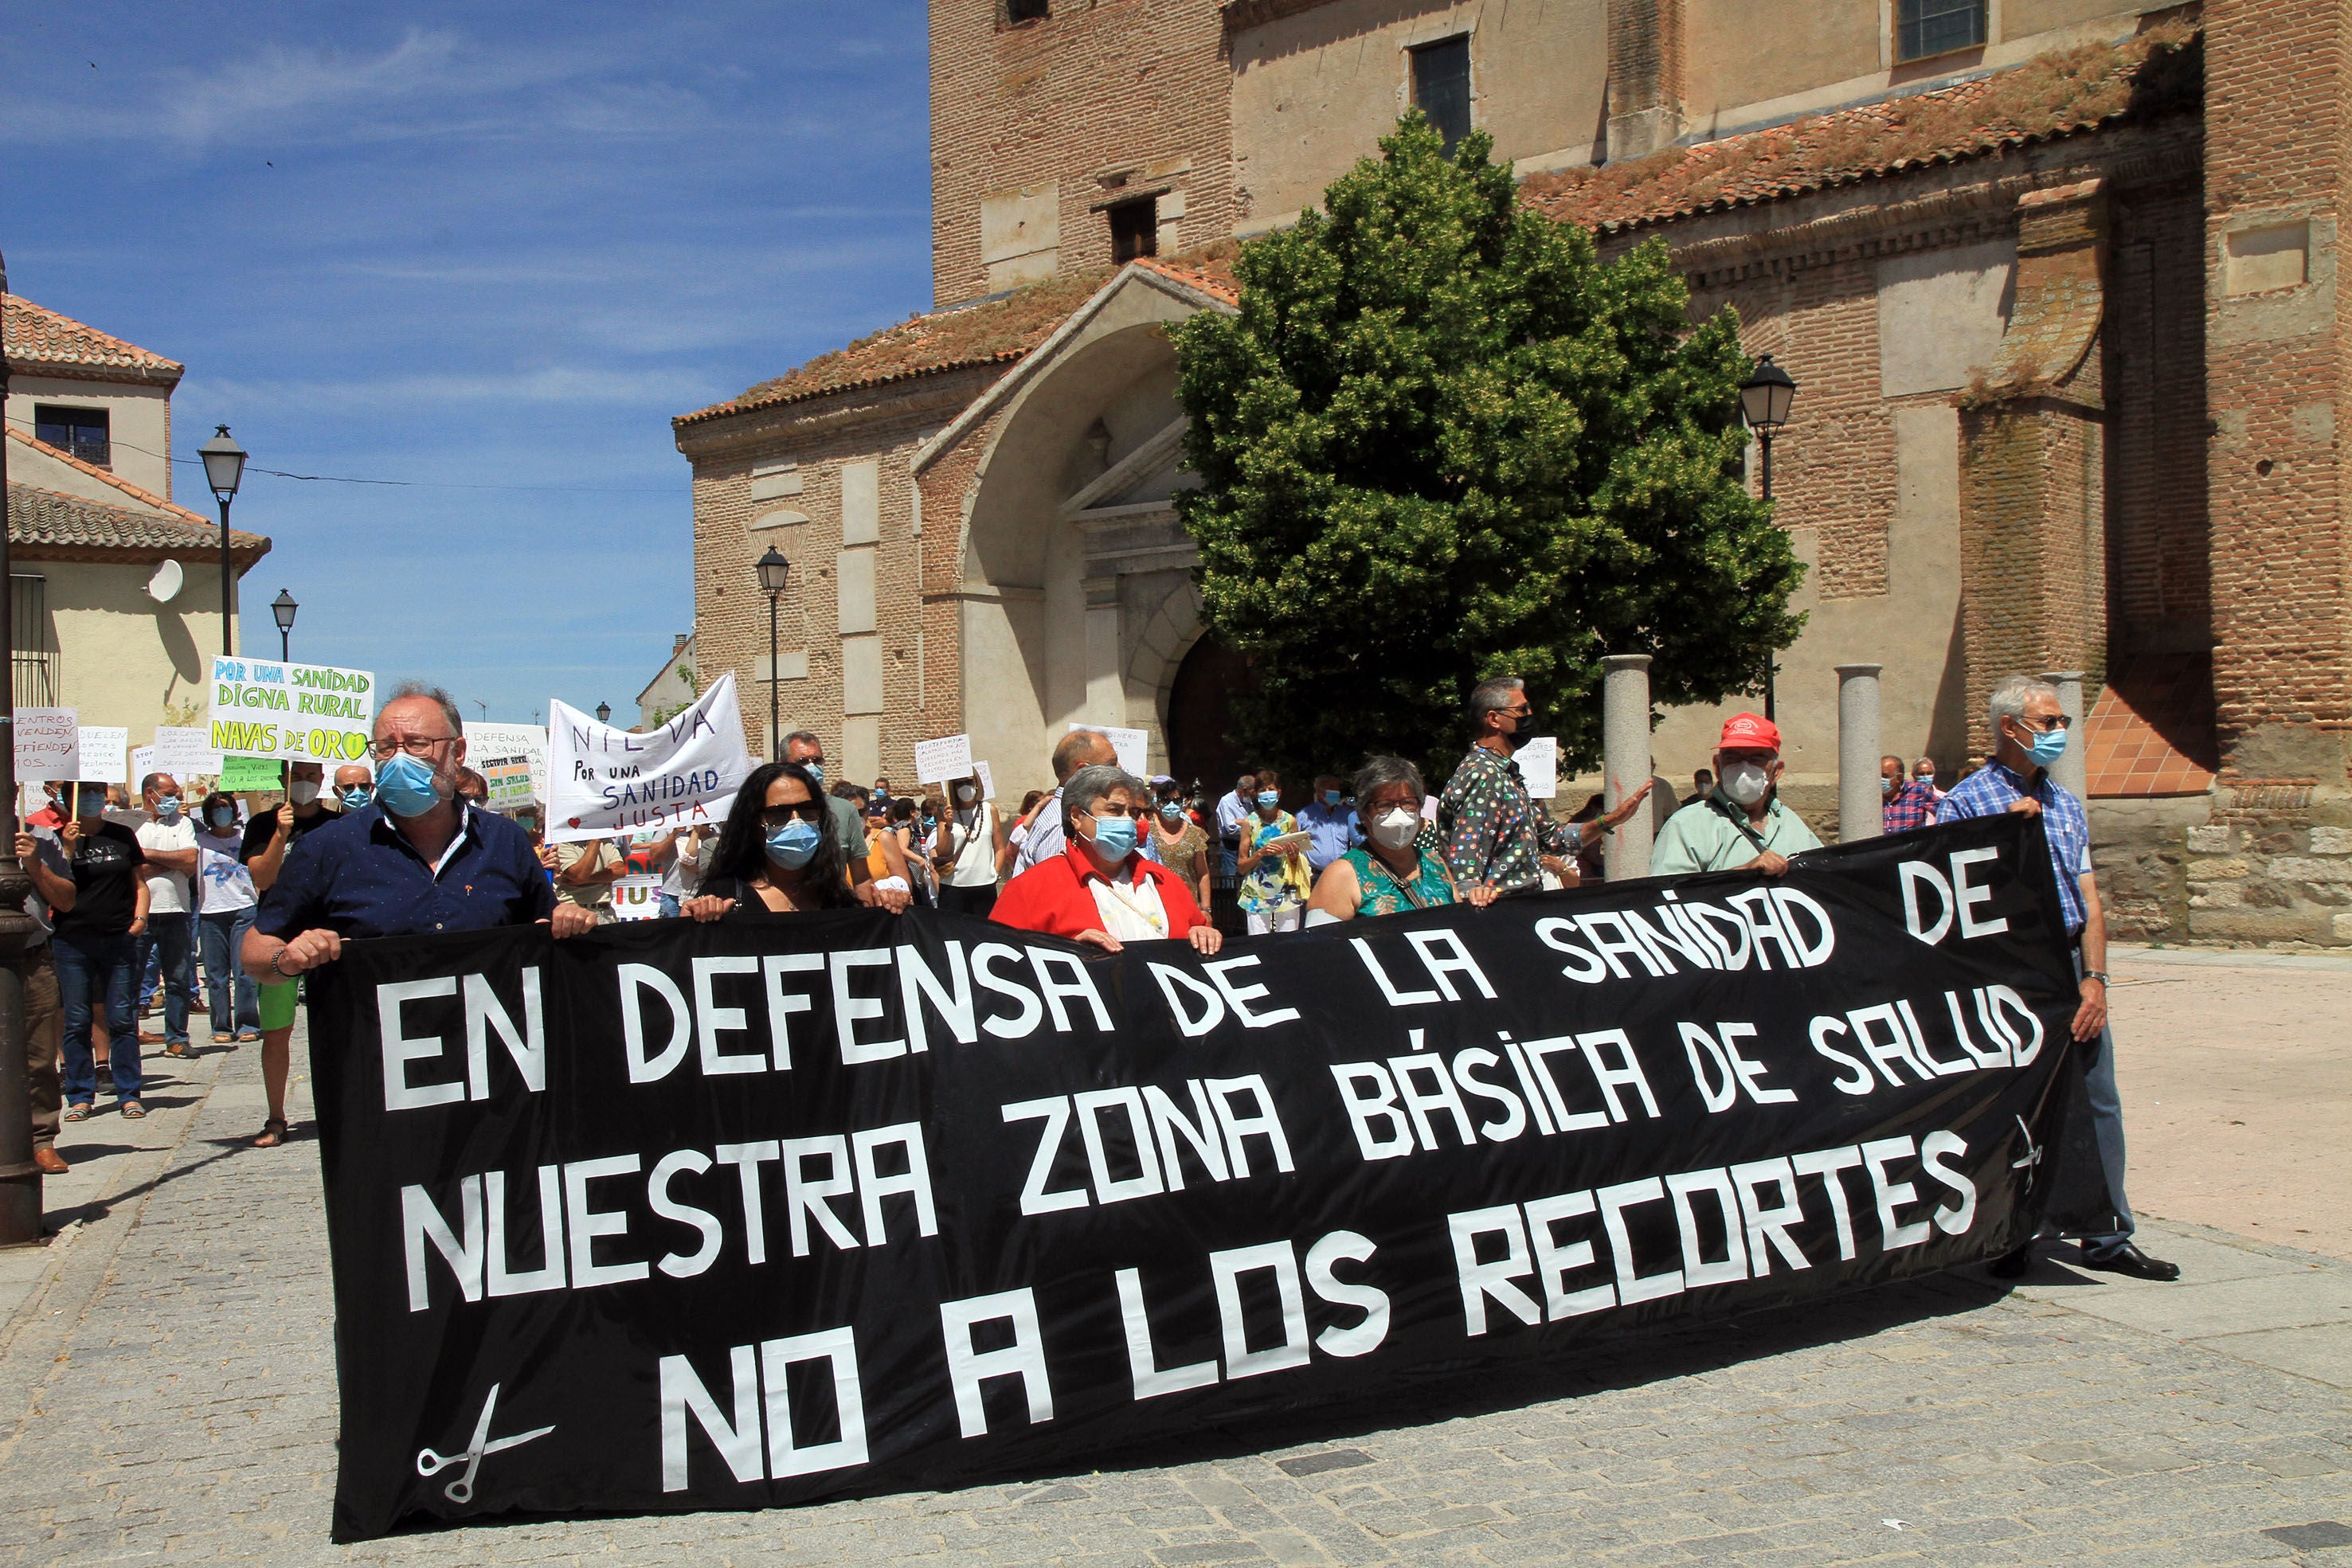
1199, 716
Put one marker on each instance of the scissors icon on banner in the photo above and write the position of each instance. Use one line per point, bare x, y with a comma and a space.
461, 1490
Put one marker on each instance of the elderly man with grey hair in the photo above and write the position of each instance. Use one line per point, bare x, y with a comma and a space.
1099, 888
2030, 733
1495, 834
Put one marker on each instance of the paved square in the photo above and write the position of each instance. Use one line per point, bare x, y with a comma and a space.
167, 1373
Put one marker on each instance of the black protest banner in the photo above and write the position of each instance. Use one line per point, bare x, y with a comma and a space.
731, 1215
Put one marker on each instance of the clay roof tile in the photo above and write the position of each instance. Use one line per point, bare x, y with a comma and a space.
40, 339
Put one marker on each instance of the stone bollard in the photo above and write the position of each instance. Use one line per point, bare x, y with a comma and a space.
1625, 759
2072, 772
1862, 811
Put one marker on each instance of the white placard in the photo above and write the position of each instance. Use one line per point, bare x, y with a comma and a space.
1538, 762
291, 712
513, 758
637, 898
106, 751
1133, 746
183, 753
938, 761
142, 763
49, 743
681, 773
987, 780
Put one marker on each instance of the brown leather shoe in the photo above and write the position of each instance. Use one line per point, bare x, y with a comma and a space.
50, 1161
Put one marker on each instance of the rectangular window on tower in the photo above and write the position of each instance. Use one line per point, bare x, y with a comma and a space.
80, 432
1017, 11
1441, 87
1925, 27
1134, 229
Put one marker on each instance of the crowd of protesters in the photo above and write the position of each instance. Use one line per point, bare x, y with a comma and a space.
130, 903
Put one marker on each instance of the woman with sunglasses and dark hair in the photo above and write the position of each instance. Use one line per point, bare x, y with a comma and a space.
777, 855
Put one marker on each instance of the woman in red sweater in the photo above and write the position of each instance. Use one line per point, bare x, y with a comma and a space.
1098, 889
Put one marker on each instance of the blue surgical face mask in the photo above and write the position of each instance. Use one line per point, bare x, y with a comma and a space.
357, 795
1330, 797
2049, 746
1269, 797
1173, 812
406, 785
222, 816
167, 808
794, 845
93, 802
816, 770
1114, 838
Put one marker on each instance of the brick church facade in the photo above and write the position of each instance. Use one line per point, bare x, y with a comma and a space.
2057, 279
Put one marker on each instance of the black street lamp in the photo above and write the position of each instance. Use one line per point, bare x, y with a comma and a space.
603, 713
775, 572
1764, 399
283, 607
224, 468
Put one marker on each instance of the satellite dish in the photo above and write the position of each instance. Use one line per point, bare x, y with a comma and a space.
165, 584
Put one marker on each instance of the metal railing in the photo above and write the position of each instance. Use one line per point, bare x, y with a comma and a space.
33, 658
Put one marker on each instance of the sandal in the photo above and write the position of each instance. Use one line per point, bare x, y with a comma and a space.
76, 1112
246, 1037
273, 1133
221, 1037
133, 1112
179, 1051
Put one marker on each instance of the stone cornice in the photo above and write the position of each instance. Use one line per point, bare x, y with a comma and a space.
944, 392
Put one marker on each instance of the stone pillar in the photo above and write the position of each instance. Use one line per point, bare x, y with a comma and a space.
1645, 76
2072, 771
1861, 809
1625, 758
2032, 501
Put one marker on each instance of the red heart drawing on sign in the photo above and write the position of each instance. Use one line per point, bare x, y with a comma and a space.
573, 822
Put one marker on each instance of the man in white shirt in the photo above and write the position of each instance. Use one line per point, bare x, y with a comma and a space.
1048, 831
168, 840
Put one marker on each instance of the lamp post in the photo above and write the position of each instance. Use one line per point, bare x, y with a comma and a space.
20, 1178
283, 607
224, 467
1764, 399
775, 572
603, 713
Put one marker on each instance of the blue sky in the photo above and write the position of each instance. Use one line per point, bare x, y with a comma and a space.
471, 246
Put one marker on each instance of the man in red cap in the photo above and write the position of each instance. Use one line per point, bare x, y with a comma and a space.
1741, 824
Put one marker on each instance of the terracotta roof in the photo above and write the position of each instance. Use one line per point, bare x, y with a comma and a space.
44, 522
994, 331
146, 498
2050, 96
40, 339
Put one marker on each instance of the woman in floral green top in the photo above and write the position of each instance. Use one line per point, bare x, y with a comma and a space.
1395, 870
1275, 883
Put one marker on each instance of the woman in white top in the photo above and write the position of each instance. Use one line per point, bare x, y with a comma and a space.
225, 903
966, 849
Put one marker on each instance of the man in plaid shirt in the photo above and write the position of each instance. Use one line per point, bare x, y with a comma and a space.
1910, 803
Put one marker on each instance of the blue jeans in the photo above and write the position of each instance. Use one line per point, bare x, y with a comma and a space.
169, 947
224, 939
667, 903
90, 967
2107, 1128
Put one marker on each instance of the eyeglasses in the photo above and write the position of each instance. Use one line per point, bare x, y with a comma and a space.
1112, 809
2055, 721
782, 816
384, 750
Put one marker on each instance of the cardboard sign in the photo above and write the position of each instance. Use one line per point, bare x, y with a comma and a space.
1133, 746
513, 758
1538, 762
142, 763
106, 751
49, 743
184, 753
637, 898
298, 712
683, 772
938, 761
987, 780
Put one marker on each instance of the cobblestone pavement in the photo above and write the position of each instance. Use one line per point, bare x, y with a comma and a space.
166, 1396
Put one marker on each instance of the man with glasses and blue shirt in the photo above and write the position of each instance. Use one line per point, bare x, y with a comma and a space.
2030, 733
415, 860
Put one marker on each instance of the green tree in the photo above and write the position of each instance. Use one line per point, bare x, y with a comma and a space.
1441, 441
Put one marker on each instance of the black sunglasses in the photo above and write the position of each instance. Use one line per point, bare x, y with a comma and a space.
782, 816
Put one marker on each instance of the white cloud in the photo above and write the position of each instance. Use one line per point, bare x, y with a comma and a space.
575, 385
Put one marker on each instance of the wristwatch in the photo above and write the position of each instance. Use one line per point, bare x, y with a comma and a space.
2098, 975
281, 974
